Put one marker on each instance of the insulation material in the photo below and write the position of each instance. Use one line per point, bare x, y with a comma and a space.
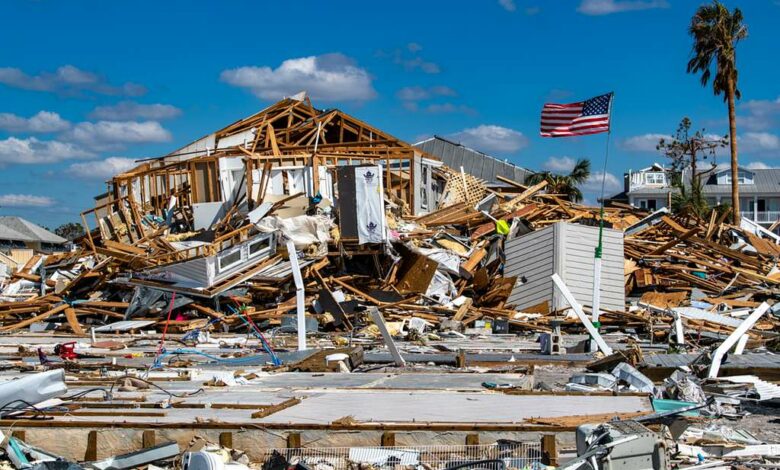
303, 230
447, 259
369, 205
442, 288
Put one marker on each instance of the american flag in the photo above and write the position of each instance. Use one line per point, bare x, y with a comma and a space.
583, 118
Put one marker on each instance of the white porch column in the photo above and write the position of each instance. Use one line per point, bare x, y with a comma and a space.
755, 208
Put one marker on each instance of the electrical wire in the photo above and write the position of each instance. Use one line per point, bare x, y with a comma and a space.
180, 351
248, 320
38, 412
82, 393
168, 392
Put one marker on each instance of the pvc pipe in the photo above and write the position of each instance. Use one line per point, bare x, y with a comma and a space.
717, 357
299, 295
603, 346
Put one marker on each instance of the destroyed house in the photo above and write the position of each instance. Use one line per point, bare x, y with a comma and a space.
284, 159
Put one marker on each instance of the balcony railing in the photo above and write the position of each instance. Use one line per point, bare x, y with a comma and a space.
762, 217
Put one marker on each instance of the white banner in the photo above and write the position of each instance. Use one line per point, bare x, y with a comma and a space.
370, 205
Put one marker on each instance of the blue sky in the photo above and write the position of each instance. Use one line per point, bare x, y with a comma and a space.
86, 87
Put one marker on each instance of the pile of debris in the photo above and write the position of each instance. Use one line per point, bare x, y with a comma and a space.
298, 228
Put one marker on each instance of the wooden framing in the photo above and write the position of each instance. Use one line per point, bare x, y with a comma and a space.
290, 133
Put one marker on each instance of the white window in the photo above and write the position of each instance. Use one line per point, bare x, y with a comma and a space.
743, 177
258, 247
229, 259
654, 178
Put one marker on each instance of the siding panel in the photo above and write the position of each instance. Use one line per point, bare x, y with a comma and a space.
570, 248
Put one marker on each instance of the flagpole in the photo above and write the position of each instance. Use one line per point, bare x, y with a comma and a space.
596, 300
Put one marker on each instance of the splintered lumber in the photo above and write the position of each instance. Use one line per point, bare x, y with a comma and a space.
526, 194
463, 309
471, 264
662, 249
35, 319
73, 321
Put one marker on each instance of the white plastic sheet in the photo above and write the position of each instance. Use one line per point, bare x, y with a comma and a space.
370, 205
303, 230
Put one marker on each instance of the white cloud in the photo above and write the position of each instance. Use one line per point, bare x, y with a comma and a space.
328, 77
606, 7
559, 164
67, 79
129, 110
418, 93
445, 108
42, 122
492, 138
25, 200
760, 115
107, 134
412, 96
422, 64
758, 166
644, 142
409, 57
101, 170
758, 142
762, 107
414, 47
31, 151
593, 184
508, 5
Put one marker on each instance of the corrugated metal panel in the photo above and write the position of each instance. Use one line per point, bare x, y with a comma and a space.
766, 390
531, 256
473, 162
579, 243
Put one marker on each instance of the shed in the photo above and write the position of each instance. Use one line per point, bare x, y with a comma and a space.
566, 249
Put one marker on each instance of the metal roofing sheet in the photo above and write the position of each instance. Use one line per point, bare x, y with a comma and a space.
473, 162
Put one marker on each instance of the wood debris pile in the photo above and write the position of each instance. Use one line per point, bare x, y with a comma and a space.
202, 237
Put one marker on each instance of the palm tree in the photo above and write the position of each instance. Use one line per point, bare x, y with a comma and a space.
716, 31
564, 184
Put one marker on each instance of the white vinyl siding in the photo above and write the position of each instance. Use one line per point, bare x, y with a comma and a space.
567, 249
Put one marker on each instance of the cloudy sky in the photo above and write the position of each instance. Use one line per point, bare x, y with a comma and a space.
88, 87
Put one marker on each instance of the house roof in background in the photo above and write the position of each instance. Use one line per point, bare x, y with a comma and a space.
18, 229
474, 162
764, 181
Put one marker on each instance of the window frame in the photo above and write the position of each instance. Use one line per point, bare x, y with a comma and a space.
220, 257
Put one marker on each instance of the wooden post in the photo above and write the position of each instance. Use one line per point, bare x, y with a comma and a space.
294, 440
472, 439
388, 439
226, 440
460, 359
91, 453
148, 439
549, 450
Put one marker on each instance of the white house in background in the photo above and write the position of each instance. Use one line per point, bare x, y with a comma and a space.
759, 190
